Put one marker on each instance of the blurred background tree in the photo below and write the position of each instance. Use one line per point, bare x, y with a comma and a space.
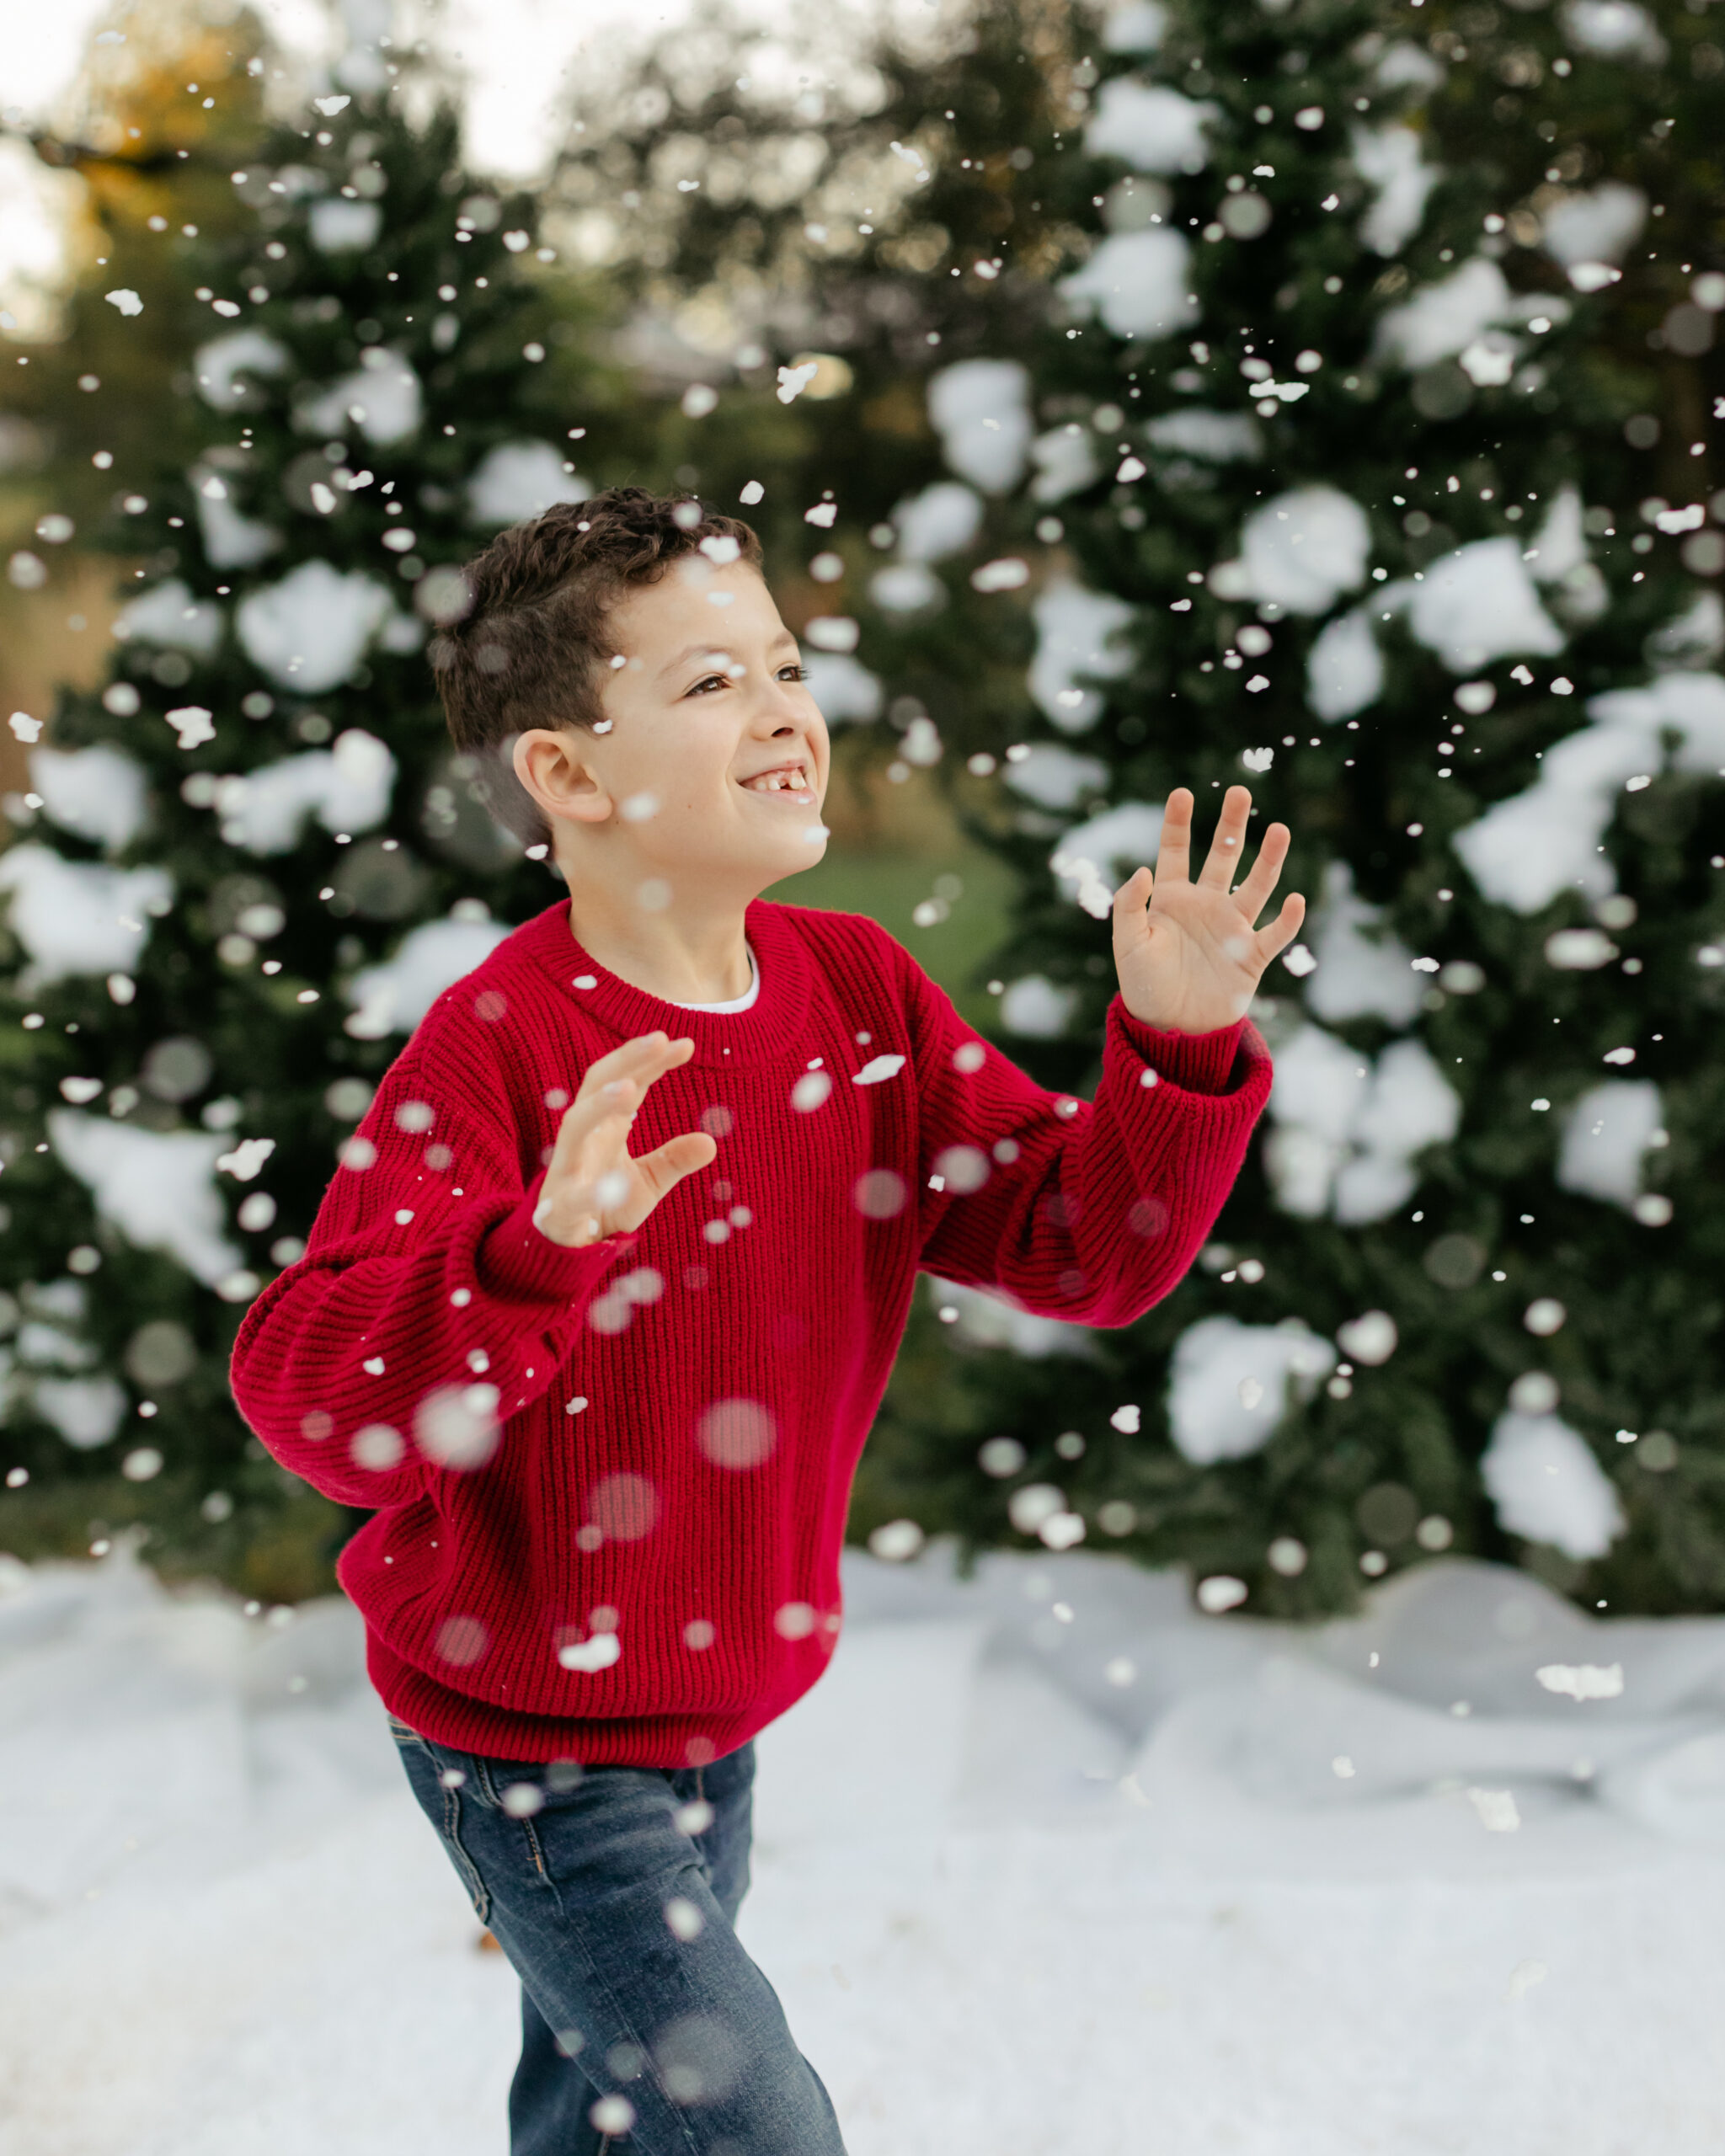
1392, 361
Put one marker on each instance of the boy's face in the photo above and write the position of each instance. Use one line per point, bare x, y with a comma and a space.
709, 699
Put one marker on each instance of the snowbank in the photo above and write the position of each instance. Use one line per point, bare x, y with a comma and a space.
1048, 1861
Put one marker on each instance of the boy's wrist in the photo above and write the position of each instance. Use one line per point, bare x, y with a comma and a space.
518, 1262
579, 1236
1199, 1063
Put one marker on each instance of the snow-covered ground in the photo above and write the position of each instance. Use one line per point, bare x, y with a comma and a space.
1047, 1863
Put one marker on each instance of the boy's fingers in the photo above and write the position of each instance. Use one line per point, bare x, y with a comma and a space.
647, 1051
590, 1169
600, 1117
1253, 894
622, 1058
614, 1099
679, 1156
1174, 852
1134, 894
1227, 849
1275, 935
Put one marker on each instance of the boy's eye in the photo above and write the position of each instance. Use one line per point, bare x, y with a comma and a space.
792, 671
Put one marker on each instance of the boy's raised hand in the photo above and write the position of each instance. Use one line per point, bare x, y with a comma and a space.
593, 1187
1190, 959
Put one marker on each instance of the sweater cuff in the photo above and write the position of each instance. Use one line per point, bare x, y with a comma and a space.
516, 1263
1199, 1062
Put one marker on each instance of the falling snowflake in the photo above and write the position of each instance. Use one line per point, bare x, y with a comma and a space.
793, 381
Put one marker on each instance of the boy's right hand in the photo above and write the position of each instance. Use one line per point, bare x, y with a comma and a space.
593, 1187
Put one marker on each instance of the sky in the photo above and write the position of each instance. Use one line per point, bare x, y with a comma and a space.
515, 58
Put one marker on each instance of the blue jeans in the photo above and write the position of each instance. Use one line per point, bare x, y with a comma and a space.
614, 1892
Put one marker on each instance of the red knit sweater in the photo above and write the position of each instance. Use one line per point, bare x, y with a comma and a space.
610, 1484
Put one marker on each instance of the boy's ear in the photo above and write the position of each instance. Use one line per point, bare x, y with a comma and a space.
548, 763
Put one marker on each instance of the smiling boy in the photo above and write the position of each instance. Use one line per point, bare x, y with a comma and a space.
602, 1300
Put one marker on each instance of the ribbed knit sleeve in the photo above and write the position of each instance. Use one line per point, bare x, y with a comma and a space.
427, 1309
1091, 1212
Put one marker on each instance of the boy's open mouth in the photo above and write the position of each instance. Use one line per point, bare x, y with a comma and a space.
787, 782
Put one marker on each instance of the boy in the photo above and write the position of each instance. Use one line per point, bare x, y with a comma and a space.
602, 1299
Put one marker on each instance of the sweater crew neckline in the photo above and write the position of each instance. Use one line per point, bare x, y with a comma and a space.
773, 1025
749, 996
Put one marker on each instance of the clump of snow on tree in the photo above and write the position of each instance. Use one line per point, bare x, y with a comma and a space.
1054, 776
156, 1187
1344, 669
980, 410
1606, 1133
1546, 1484
1094, 857
392, 997
1229, 1384
1443, 320
338, 226
1037, 1007
97, 793
1347, 1131
1526, 849
518, 479
1135, 26
1218, 437
1475, 604
308, 633
168, 614
1390, 158
943, 519
1149, 127
1065, 461
219, 366
87, 1412
347, 786
1138, 282
1364, 970
1300, 550
1600, 225
1078, 633
989, 1318
76, 917
231, 540
906, 588
1615, 29
382, 398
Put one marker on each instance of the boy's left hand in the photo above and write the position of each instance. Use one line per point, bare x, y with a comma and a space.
1189, 960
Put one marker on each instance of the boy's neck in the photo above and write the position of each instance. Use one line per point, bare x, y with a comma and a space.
680, 957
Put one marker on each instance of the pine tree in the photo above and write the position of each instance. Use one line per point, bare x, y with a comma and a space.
1389, 353
247, 864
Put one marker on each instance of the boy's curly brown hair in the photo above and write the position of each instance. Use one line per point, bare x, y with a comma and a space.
525, 643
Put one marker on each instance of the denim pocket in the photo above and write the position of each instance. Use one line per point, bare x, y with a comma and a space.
450, 1826
437, 1781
